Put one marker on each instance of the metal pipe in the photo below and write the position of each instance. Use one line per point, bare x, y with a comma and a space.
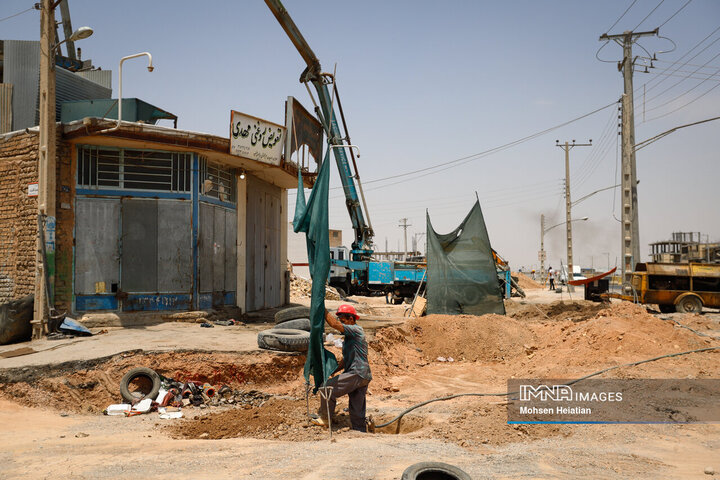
150, 69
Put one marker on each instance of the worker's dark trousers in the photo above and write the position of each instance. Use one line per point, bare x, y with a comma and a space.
355, 387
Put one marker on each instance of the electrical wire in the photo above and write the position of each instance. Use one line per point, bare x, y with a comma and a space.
572, 382
621, 16
648, 15
685, 105
490, 151
15, 15
673, 15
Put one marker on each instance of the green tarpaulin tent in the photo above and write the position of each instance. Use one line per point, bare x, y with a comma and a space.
461, 272
312, 218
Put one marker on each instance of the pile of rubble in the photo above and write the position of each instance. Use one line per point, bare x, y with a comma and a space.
302, 288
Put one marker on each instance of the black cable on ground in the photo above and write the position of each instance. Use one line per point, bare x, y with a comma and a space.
594, 374
690, 328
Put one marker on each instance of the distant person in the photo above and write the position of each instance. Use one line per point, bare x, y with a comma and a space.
551, 278
533, 274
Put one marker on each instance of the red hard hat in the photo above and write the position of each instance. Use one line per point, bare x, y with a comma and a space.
345, 308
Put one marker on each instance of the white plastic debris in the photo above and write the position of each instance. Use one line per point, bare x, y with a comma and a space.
441, 359
143, 405
450, 359
161, 395
164, 414
118, 409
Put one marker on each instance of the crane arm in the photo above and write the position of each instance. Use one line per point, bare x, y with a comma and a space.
362, 245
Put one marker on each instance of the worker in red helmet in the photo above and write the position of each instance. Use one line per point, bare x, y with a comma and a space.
354, 379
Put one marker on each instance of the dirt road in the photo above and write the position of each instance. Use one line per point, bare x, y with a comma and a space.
52, 423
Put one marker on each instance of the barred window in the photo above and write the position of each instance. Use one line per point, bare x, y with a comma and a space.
128, 169
217, 181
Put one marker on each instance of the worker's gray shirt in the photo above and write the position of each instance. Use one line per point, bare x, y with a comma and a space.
355, 352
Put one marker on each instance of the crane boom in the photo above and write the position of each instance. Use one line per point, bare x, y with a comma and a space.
362, 244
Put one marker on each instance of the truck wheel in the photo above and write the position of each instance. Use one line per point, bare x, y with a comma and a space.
292, 313
285, 340
689, 304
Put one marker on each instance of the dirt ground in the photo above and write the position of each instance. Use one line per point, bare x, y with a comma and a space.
52, 413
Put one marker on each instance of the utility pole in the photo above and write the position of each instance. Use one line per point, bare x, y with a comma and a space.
405, 226
44, 264
568, 205
630, 230
541, 253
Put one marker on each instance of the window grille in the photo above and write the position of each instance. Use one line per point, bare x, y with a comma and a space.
217, 181
128, 169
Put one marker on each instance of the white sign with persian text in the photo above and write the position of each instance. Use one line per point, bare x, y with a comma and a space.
257, 139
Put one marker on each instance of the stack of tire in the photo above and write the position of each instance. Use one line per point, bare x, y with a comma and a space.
291, 332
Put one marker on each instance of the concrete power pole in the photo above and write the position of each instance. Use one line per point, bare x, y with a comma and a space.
541, 253
405, 226
46, 167
630, 230
568, 205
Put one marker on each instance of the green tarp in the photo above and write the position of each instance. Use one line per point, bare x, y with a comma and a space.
461, 272
312, 218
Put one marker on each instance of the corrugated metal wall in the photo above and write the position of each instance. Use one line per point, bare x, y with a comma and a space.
6, 107
70, 86
21, 68
101, 77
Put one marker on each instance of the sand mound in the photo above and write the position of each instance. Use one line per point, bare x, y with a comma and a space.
527, 283
466, 337
576, 311
621, 333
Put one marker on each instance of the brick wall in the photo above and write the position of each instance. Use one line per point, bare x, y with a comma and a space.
65, 214
18, 215
18, 219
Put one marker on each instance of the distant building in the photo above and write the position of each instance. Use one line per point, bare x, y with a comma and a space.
685, 247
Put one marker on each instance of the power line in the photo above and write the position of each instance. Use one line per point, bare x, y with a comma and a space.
686, 92
673, 15
683, 106
15, 15
648, 15
621, 16
479, 155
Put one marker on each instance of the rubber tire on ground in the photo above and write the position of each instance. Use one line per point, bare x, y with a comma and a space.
292, 313
689, 304
285, 340
666, 308
296, 324
434, 471
139, 372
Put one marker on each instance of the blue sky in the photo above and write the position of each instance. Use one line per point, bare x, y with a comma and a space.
424, 83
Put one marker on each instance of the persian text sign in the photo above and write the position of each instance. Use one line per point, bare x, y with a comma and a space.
255, 138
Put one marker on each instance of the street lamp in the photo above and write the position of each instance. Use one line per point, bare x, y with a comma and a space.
44, 262
150, 69
543, 231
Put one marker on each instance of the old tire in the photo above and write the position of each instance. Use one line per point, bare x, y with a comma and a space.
689, 304
139, 383
296, 324
434, 471
291, 314
285, 340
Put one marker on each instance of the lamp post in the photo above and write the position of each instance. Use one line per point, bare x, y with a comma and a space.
543, 231
45, 257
